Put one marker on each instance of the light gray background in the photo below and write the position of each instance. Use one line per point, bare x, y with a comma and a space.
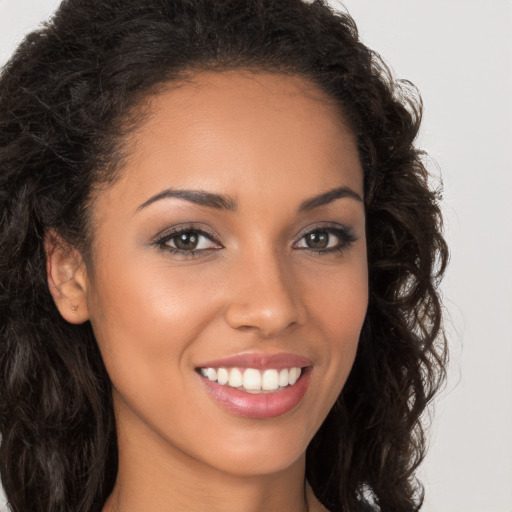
459, 54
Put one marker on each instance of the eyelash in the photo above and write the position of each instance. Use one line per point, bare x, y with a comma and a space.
345, 235
163, 241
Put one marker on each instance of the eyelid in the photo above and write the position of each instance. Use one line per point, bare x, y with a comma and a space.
346, 234
161, 240
169, 232
324, 225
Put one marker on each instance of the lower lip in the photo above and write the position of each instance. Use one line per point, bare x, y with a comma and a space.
263, 405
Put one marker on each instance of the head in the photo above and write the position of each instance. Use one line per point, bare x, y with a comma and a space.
116, 77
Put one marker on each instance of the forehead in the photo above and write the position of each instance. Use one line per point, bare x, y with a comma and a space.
240, 131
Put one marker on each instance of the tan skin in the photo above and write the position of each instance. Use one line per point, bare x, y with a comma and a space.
254, 285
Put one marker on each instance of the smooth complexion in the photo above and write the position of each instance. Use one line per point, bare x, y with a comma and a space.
236, 233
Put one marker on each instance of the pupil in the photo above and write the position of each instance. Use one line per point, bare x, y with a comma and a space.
318, 240
186, 241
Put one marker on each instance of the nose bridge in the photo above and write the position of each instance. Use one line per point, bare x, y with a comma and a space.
263, 297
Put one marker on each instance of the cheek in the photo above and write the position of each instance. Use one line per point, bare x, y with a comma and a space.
338, 297
146, 316
337, 301
146, 321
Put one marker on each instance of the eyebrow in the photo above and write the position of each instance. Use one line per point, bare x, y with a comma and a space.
329, 197
221, 202
194, 196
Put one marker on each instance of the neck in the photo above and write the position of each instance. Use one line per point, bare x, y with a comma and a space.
137, 493
160, 480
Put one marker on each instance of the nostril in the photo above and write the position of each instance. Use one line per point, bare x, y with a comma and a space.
263, 297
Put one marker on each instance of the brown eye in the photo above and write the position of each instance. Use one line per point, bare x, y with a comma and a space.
327, 239
317, 239
186, 240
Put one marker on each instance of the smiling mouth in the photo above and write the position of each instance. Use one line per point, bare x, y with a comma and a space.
253, 380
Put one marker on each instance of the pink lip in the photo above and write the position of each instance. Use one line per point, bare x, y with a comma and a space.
260, 361
263, 405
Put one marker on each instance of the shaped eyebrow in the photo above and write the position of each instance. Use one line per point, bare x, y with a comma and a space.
329, 197
199, 197
221, 202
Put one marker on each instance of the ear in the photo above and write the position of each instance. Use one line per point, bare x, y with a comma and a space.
67, 278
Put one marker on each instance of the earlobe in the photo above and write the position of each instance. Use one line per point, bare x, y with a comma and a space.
67, 279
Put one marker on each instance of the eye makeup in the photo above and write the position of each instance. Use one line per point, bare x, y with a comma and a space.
325, 239
190, 241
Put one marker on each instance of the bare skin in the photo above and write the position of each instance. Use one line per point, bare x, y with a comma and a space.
307, 503
273, 267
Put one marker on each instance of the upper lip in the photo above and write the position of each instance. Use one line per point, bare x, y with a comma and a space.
259, 361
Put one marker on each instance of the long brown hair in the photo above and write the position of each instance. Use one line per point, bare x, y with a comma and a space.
65, 103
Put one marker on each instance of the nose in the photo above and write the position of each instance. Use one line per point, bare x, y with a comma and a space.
264, 297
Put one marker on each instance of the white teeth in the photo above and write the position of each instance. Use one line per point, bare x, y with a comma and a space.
211, 373
294, 375
222, 376
235, 378
253, 380
283, 377
270, 380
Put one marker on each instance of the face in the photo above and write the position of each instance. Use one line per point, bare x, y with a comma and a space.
230, 274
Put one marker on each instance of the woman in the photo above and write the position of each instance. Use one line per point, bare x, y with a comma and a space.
219, 267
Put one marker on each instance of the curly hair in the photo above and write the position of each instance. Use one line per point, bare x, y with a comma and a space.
66, 103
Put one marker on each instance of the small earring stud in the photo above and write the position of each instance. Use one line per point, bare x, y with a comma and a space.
74, 308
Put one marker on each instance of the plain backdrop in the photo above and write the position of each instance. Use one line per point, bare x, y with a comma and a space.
459, 54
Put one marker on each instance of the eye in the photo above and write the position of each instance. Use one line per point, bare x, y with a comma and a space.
187, 241
327, 239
